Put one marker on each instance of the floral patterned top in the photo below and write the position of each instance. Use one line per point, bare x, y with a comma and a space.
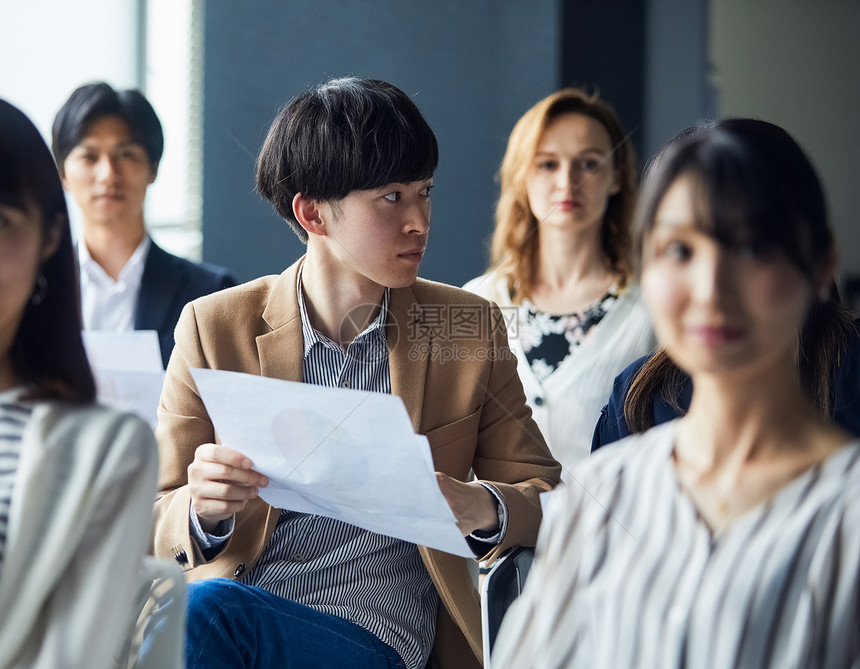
548, 339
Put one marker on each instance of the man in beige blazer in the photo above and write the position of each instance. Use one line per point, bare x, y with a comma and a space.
349, 165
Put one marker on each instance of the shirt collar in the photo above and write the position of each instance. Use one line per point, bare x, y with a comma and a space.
312, 336
133, 267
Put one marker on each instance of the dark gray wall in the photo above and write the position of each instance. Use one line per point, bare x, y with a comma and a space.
678, 93
474, 67
649, 58
603, 49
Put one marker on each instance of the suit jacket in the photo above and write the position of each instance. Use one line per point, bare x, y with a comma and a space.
464, 395
78, 525
167, 285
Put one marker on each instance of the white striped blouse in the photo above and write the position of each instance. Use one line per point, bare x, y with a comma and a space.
13, 418
628, 575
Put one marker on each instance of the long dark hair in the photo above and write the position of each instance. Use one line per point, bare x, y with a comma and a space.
756, 187
47, 352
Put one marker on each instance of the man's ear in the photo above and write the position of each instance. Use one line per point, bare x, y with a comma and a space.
307, 213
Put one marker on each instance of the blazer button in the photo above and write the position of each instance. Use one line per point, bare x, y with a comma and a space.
538, 401
181, 557
239, 570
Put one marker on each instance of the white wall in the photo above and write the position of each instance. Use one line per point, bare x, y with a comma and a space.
794, 62
50, 47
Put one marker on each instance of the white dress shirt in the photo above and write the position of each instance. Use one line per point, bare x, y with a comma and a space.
108, 304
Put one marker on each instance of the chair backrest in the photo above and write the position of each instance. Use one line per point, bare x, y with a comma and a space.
156, 638
502, 585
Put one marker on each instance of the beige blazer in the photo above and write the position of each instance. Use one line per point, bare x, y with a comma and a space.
460, 389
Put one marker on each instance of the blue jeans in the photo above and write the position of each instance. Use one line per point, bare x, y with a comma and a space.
232, 625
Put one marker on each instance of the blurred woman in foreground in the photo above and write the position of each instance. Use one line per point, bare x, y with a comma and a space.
726, 538
77, 480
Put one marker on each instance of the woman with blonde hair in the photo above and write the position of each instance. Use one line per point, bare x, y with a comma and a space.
560, 265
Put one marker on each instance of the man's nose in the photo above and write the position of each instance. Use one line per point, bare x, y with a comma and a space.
418, 220
106, 169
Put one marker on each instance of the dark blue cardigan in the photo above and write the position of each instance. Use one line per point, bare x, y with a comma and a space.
611, 425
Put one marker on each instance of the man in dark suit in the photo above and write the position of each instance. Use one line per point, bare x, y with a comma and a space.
108, 145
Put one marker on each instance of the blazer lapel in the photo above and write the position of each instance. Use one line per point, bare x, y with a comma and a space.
408, 352
156, 284
281, 351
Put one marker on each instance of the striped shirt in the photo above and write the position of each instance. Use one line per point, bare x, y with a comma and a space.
13, 418
629, 575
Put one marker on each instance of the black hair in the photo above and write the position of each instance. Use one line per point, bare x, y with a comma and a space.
755, 187
47, 352
343, 135
92, 102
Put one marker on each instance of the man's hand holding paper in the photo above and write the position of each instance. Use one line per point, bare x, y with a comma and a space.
221, 481
350, 455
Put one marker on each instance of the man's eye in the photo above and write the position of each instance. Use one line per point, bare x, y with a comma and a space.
425, 192
392, 197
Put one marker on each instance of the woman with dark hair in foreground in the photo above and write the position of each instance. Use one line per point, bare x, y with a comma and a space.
726, 538
653, 389
77, 480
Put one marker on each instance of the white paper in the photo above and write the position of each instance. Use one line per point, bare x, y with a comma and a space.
346, 454
545, 496
133, 351
128, 370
